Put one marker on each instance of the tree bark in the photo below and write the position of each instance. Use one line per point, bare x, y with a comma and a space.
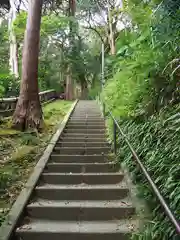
69, 85
69, 78
84, 90
28, 113
13, 56
93, 81
111, 33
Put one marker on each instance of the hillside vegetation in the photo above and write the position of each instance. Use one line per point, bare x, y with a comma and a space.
142, 91
20, 151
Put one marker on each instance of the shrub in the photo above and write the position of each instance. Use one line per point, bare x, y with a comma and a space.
142, 91
9, 85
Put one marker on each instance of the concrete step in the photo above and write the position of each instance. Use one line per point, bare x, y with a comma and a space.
82, 192
81, 144
85, 139
87, 110
84, 110
90, 112
88, 115
82, 150
85, 131
86, 122
81, 110
80, 167
82, 178
80, 210
80, 158
81, 135
85, 126
78, 230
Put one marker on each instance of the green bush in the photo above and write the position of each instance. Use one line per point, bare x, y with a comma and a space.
9, 85
93, 92
142, 91
156, 141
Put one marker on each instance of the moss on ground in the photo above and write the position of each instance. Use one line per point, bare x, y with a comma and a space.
20, 151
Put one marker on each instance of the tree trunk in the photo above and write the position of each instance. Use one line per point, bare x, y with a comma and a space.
13, 56
69, 78
93, 81
28, 113
111, 33
69, 85
84, 90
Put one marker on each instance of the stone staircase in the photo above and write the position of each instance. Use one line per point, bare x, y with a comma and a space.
81, 193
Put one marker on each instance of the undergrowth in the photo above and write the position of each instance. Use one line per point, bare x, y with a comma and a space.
142, 92
156, 141
19, 153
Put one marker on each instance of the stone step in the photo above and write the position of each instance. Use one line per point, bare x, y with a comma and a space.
82, 135
79, 158
81, 167
92, 109
89, 112
82, 192
89, 119
85, 139
82, 150
85, 126
87, 115
78, 230
80, 210
80, 112
82, 178
85, 131
86, 122
81, 144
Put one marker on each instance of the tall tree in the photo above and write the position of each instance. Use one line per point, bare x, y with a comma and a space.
13, 56
72, 30
28, 113
111, 32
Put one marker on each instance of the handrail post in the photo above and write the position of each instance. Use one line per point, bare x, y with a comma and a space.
115, 137
155, 189
104, 110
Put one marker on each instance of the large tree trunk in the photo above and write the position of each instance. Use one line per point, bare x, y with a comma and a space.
69, 85
84, 90
69, 79
111, 32
28, 113
13, 56
93, 81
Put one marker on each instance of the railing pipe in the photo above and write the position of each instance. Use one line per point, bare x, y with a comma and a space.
115, 137
7, 105
163, 203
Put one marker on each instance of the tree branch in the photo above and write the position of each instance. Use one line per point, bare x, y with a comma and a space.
96, 31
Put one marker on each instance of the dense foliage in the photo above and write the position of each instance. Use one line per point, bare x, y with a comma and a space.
56, 53
8, 85
50, 60
142, 80
142, 90
156, 141
21, 151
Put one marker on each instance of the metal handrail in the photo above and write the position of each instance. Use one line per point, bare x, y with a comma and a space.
7, 105
163, 203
